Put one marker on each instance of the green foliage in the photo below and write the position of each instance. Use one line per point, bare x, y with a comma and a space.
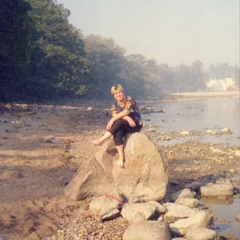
59, 67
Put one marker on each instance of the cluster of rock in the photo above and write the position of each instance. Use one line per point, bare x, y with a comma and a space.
182, 218
136, 191
223, 130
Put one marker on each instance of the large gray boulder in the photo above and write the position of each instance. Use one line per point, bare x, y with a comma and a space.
137, 212
176, 211
200, 219
89, 181
105, 207
200, 233
147, 230
144, 175
217, 189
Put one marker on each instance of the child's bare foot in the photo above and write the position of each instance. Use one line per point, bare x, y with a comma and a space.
120, 163
97, 142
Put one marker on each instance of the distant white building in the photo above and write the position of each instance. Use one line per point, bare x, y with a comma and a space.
223, 84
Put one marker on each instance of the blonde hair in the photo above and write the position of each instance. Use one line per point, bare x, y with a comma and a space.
116, 88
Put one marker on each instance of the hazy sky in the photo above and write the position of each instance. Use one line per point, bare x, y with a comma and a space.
169, 31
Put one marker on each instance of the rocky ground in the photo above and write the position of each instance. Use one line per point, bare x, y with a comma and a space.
42, 146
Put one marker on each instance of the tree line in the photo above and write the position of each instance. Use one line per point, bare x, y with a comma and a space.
43, 57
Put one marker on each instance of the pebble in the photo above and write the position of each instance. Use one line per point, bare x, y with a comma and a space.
238, 218
88, 227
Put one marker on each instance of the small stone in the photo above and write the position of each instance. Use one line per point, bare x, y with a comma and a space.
173, 181
184, 133
12, 130
237, 153
52, 140
237, 218
225, 130
151, 129
209, 131
11, 175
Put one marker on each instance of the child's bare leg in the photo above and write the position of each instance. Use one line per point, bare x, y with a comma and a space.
120, 150
99, 141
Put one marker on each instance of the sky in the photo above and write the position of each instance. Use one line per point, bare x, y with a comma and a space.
171, 32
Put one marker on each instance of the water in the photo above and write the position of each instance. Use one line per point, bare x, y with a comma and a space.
226, 223
199, 115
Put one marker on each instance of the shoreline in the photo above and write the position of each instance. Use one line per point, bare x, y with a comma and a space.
207, 94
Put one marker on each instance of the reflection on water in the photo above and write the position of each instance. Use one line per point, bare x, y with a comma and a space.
226, 222
200, 115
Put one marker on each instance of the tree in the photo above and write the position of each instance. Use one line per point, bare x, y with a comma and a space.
14, 46
133, 76
197, 76
58, 64
219, 71
107, 61
167, 76
189, 78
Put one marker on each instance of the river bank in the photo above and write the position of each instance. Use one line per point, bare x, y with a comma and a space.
207, 94
41, 148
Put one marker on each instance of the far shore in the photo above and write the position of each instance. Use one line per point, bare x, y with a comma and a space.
207, 94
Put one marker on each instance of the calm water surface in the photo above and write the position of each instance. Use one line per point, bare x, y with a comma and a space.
199, 115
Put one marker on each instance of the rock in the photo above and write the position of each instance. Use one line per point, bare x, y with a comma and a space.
144, 176
2, 120
147, 230
217, 189
200, 233
200, 219
85, 183
63, 180
134, 199
189, 202
237, 153
194, 186
150, 129
209, 131
137, 212
184, 133
159, 207
105, 207
180, 238
177, 211
183, 193
237, 218
174, 181
12, 130
225, 130
11, 175
52, 140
